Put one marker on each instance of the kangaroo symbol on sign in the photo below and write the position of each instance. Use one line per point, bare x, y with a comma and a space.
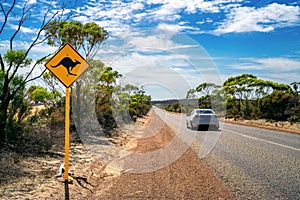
68, 64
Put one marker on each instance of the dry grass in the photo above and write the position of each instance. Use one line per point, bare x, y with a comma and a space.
31, 173
281, 125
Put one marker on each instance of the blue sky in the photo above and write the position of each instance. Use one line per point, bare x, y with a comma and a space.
169, 46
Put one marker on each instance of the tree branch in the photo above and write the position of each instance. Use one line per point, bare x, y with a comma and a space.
2, 64
35, 42
36, 63
6, 14
21, 21
25, 82
43, 25
36, 77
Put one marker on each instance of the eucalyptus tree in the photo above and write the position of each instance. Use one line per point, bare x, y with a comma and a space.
208, 93
245, 93
207, 88
84, 37
238, 91
87, 37
191, 94
203, 89
296, 87
14, 60
105, 86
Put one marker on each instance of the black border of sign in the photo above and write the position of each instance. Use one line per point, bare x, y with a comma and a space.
80, 57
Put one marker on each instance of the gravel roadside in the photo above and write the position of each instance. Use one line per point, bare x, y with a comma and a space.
186, 178
35, 177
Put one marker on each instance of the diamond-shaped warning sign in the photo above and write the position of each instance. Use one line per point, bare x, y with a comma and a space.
67, 65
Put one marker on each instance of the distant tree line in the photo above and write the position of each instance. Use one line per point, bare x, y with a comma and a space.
248, 97
176, 105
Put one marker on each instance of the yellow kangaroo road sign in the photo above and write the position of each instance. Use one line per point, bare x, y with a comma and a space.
67, 65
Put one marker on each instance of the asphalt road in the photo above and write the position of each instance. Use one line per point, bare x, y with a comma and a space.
254, 163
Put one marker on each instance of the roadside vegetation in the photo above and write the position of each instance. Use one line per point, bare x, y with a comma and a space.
24, 127
246, 97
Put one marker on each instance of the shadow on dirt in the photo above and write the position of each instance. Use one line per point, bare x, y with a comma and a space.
206, 128
67, 192
82, 181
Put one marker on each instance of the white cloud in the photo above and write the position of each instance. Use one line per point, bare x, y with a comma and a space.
135, 59
36, 52
23, 29
286, 78
147, 40
152, 58
164, 13
41, 50
276, 65
28, 30
151, 42
202, 6
139, 17
174, 27
265, 19
189, 6
31, 1
137, 6
115, 16
169, 14
278, 69
158, 79
136, 13
279, 64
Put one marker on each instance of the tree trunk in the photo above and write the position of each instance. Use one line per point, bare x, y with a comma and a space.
3, 120
5, 99
77, 110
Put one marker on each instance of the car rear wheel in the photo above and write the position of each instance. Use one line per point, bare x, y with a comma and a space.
217, 127
192, 127
187, 125
214, 127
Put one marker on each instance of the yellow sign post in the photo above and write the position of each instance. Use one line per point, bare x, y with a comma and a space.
67, 133
67, 65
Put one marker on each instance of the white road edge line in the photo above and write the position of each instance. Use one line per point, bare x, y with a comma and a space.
254, 138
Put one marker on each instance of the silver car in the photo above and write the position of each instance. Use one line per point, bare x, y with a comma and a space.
202, 117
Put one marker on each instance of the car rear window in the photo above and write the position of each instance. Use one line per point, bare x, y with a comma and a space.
204, 112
